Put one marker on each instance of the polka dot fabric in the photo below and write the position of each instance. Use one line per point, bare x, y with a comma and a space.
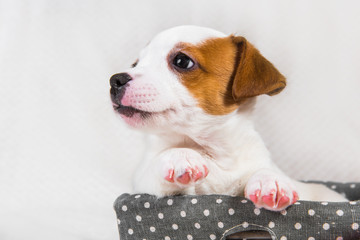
144, 216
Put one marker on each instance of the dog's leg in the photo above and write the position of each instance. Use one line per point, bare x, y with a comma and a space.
171, 172
271, 190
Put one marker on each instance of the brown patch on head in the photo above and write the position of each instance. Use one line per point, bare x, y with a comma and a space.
227, 71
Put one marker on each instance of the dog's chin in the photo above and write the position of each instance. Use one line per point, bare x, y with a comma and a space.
129, 111
132, 116
142, 119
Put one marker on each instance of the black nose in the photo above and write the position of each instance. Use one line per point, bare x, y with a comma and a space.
120, 79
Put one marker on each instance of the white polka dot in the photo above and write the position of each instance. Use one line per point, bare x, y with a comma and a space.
220, 224
326, 226
340, 212
333, 186
311, 212
167, 238
161, 216
244, 201
206, 212
271, 224
257, 211
297, 226
138, 218
352, 203
219, 201
124, 208
194, 201
352, 185
152, 229
170, 202
311, 238
355, 226
147, 205
297, 203
324, 203
283, 238
137, 196
231, 211
130, 231
189, 237
339, 238
183, 213
175, 226
118, 221
245, 224
197, 225
284, 212
212, 237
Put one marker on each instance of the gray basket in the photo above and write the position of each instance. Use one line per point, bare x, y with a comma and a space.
144, 216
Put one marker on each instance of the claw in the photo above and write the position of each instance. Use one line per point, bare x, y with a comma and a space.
197, 174
295, 197
206, 170
170, 176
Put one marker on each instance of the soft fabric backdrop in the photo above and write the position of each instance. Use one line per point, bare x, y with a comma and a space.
65, 156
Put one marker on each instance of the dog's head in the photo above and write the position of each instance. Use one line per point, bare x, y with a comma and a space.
189, 73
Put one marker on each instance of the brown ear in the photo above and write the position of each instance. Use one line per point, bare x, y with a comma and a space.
253, 74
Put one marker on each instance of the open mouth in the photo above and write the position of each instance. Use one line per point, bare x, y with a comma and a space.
130, 111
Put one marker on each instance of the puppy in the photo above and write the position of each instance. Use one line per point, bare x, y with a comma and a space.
193, 89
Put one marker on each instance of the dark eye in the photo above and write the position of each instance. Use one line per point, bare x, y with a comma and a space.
183, 61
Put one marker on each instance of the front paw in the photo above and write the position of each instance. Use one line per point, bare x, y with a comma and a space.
271, 191
183, 166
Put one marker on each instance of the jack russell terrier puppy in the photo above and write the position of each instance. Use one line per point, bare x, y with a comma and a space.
194, 89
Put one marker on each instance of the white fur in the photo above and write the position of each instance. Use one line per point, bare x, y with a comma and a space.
183, 135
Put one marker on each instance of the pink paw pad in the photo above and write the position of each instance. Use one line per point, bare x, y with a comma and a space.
255, 197
274, 196
277, 199
283, 200
190, 175
270, 198
185, 178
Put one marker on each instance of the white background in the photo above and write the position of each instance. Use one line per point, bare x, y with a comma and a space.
65, 157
